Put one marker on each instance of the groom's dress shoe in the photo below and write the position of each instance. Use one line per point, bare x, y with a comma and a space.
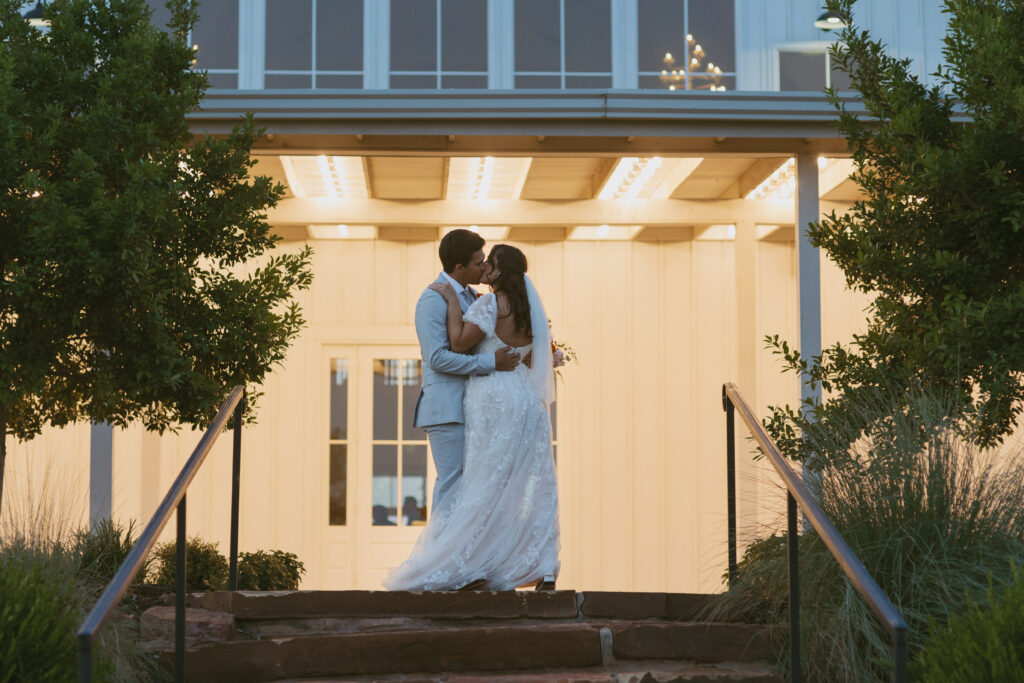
474, 585
546, 584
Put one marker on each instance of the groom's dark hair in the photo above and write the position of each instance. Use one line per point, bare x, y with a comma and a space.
457, 247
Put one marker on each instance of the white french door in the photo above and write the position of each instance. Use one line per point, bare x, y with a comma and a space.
378, 471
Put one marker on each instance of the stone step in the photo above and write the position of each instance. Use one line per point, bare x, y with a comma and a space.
497, 648
564, 604
687, 674
487, 648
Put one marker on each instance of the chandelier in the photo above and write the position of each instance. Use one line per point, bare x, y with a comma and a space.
690, 75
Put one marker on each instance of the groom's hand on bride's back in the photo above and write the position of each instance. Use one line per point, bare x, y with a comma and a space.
505, 359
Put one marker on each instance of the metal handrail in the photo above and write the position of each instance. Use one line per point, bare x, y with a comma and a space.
799, 494
174, 501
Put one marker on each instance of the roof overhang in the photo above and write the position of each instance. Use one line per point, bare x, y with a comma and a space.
524, 122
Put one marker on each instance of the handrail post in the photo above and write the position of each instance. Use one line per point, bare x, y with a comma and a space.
85, 659
899, 637
179, 595
730, 467
793, 542
236, 464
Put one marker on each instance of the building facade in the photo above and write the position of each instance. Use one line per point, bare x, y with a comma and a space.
657, 205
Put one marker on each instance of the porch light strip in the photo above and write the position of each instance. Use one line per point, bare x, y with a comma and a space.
292, 177
781, 184
630, 176
327, 177
484, 174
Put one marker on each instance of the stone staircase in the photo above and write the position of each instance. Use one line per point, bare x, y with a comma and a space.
468, 637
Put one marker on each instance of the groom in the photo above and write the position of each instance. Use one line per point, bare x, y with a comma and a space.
439, 408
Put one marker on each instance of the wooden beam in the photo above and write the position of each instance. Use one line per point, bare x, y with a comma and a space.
523, 212
754, 176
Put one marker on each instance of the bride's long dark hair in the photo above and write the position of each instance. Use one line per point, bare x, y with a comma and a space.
512, 266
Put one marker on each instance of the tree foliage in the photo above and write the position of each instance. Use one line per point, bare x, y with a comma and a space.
938, 240
139, 280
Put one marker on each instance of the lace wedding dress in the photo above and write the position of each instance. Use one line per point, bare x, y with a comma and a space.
500, 523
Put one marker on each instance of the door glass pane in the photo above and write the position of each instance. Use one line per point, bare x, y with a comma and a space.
538, 30
411, 393
289, 35
588, 35
554, 423
216, 34
713, 25
801, 71
339, 35
413, 35
463, 82
528, 82
344, 82
413, 82
584, 82
339, 484
464, 35
385, 398
339, 398
161, 15
660, 25
414, 485
385, 485
228, 81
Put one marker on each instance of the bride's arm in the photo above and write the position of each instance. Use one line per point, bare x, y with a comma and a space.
461, 335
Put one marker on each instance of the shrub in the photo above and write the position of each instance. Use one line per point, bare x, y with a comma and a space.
39, 613
205, 568
102, 549
986, 645
932, 517
271, 570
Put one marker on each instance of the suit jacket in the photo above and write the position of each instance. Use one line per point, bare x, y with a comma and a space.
444, 371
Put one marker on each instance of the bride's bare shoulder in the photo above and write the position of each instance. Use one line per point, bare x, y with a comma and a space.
504, 309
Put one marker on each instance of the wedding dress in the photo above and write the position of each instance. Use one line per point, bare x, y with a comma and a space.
500, 523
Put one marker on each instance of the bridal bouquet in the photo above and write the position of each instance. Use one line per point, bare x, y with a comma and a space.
561, 353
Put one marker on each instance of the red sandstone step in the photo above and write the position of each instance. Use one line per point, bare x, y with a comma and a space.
427, 604
504, 648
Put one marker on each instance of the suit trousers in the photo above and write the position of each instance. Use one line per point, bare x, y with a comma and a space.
447, 445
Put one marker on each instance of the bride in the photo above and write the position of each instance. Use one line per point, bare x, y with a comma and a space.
501, 529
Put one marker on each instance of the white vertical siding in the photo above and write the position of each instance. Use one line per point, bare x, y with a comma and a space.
909, 28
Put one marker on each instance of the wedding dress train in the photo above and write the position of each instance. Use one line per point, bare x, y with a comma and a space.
500, 523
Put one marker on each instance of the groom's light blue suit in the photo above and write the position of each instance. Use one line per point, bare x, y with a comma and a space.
439, 408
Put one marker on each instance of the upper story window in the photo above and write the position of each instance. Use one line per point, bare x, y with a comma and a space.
215, 35
563, 44
438, 44
809, 69
696, 39
314, 44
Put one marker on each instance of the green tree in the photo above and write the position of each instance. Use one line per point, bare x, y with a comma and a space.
938, 239
139, 280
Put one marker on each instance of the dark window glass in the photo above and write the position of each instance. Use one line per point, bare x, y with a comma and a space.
161, 15
343, 82
223, 81
583, 82
660, 26
386, 375
463, 82
840, 79
287, 82
289, 35
713, 25
554, 423
339, 398
801, 70
413, 82
414, 485
538, 36
339, 484
411, 385
527, 82
339, 35
413, 35
463, 35
385, 485
588, 35
650, 83
216, 34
